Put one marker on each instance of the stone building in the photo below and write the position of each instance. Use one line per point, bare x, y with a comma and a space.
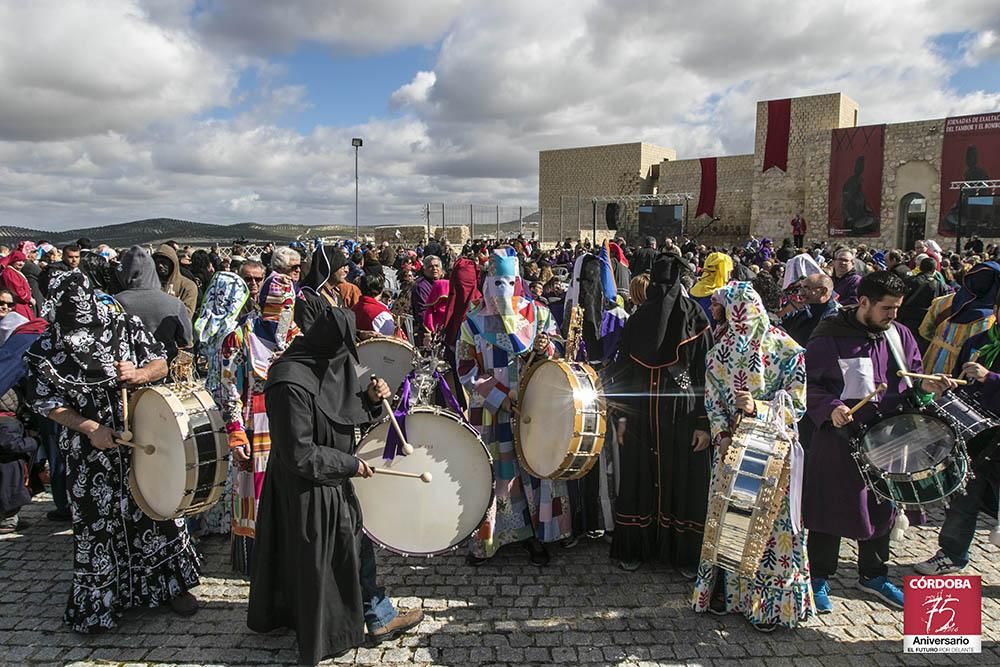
810, 142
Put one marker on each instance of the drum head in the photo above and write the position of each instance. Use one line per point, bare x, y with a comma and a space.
908, 443
388, 358
414, 518
548, 418
160, 477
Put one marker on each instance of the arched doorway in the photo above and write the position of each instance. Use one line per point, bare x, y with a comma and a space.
912, 219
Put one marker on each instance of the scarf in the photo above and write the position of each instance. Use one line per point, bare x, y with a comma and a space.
797, 268
220, 308
436, 305
714, 274
505, 317
464, 291
85, 340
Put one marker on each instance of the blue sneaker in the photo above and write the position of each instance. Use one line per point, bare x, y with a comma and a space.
821, 595
882, 589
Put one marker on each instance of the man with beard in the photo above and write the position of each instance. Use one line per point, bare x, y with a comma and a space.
848, 356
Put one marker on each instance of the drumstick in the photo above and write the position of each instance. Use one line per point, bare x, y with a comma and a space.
424, 477
147, 449
882, 387
924, 376
406, 447
127, 433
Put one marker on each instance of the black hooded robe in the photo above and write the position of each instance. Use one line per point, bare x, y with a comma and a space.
307, 552
658, 383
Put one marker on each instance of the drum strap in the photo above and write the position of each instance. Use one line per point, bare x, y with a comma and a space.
895, 345
781, 406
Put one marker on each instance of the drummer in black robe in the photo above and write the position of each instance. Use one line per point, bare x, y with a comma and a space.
658, 384
313, 571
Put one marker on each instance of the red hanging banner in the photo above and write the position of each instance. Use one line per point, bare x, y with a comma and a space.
970, 151
779, 123
709, 183
855, 198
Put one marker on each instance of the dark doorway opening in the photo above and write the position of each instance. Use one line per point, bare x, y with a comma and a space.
913, 219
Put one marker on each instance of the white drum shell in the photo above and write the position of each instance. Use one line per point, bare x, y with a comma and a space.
174, 419
414, 518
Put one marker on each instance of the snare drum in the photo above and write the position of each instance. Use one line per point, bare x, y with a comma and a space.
981, 429
413, 518
748, 487
391, 359
187, 473
560, 431
914, 458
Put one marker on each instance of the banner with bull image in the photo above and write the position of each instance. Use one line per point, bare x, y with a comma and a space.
970, 151
856, 181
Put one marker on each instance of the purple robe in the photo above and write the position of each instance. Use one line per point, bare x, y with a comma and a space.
847, 288
835, 499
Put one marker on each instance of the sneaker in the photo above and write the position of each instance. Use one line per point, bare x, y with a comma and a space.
405, 620
881, 588
595, 534
821, 596
689, 573
939, 563
764, 627
8, 524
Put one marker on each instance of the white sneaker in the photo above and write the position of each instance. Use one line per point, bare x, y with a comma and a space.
939, 563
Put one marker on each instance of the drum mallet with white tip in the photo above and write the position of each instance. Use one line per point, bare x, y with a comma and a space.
424, 477
406, 447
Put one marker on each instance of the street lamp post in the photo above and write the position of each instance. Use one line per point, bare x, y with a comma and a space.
357, 143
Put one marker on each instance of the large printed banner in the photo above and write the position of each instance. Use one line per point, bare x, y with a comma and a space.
970, 152
856, 180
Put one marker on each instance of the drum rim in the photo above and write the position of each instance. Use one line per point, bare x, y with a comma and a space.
433, 409
938, 415
560, 472
379, 338
926, 504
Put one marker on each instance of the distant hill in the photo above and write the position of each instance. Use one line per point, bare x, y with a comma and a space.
158, 230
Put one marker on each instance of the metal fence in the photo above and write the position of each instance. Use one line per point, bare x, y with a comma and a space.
575, 218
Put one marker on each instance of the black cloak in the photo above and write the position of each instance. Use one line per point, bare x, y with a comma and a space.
306, 556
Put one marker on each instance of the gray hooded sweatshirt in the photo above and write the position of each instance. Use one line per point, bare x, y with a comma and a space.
164, 316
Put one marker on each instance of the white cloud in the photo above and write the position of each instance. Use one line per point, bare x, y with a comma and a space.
105, 122
71, 68
415, 92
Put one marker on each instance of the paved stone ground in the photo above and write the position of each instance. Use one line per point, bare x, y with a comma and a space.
580, 609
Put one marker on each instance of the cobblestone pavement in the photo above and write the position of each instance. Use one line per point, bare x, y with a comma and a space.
580, 609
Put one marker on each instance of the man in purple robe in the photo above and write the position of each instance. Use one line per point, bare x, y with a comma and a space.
845, 277
847, 357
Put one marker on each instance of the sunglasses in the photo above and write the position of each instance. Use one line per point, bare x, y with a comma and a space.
297, 267
253, 279
7, 304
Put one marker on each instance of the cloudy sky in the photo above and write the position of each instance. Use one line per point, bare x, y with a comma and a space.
115, 110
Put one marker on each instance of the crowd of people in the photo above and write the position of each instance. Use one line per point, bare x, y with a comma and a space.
687, 338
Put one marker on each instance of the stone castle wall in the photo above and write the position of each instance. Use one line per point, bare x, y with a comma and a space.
749, 200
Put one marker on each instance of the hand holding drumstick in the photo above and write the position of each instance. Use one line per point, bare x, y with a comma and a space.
842, 415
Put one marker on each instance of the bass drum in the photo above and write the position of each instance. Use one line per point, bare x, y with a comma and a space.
391, 359
186, 474
413, 518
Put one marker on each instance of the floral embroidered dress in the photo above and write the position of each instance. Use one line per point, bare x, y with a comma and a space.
754, 356
246, 356
121, 558
496, 332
